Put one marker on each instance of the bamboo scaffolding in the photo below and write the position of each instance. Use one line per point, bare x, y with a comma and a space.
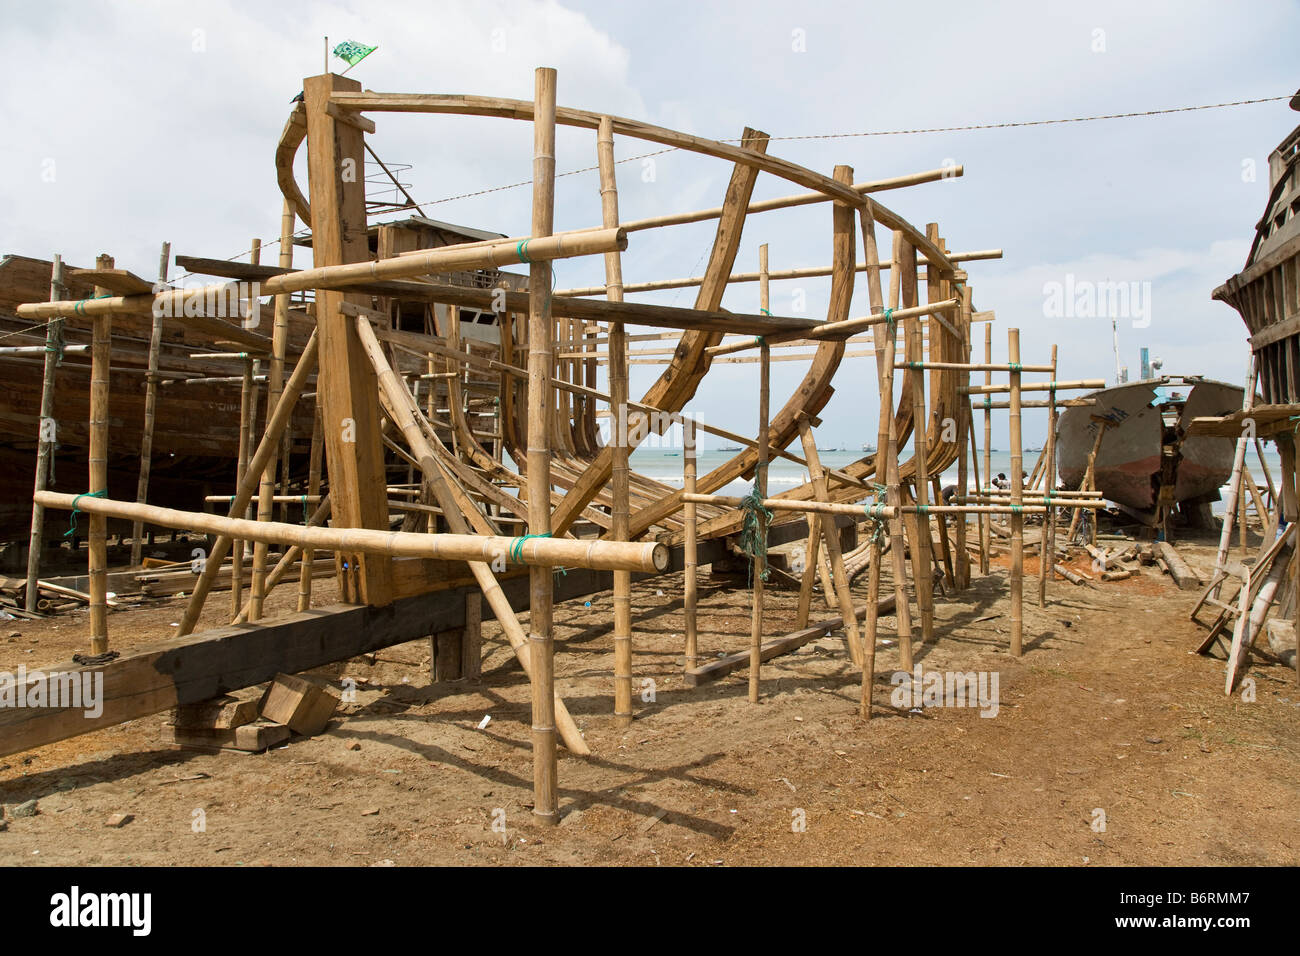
458, 513
834, 330
46, 438
244, 493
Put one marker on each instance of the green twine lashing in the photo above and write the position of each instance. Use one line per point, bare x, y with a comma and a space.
915, 365
80, 307
72, 528
889, 318
517, 546
1016, 367
304, 509
753, 533
521, 251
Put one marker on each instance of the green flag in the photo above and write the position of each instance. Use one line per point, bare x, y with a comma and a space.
353, 52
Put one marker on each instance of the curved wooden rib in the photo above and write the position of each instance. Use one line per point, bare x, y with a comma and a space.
813, 392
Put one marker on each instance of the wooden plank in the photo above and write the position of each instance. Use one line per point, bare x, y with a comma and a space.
115, 281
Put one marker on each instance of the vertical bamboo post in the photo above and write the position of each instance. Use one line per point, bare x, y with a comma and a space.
313, 488
963, 434
760, 487
690, 598
1241, 516
921, 545
839, 579
241, 467
540, 401
893, 480
812, 562
46, 438
884, 338
986, 526
274, 386
618, 400
150, 405
1047, 548
1017, 488
101, 350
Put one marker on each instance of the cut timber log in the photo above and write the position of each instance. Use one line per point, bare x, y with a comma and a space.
1179, 570
299, 704
250, 738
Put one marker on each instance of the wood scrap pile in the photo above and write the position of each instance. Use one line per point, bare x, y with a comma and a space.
252, 722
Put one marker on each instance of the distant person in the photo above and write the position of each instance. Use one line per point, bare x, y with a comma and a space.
1001, 481
949, 493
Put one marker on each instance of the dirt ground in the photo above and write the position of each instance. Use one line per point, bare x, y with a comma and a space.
1105, 712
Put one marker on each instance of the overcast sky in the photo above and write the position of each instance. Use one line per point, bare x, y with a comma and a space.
131, 123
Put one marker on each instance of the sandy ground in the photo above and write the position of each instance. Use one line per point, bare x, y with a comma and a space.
1106, 712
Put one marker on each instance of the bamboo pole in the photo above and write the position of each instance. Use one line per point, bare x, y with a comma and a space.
313, 488
963, 433
1082, 383
843, 596
1089, 477
1047, 547
812, 555
541, 350
690, 598
644, 558
274, 386
46, 439
893, 482
457, 512
986, 526
922, 558
150, 404
97, 543
759, 567
618, 391
831, 330
241, 469
244, 493
885, 347
534, 249
1017, 520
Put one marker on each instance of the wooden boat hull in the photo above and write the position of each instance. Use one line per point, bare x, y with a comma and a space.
1128, 463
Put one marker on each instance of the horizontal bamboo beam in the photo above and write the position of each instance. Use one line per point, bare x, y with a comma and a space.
838, 330
878, 511
457, 258
973, 367
814, 272
567, 552
1043, 403
1032, 387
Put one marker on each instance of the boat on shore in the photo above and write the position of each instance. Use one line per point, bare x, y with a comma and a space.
1145, 461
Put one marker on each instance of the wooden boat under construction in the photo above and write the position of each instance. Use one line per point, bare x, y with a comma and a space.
1145, 459
394, 390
